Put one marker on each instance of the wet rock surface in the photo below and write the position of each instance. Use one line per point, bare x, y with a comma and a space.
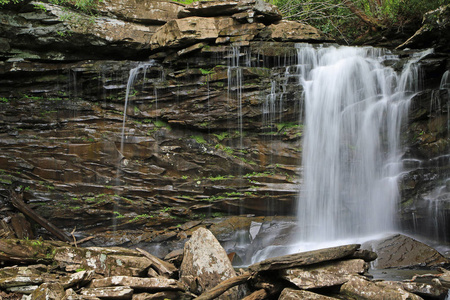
399, 251
182, 156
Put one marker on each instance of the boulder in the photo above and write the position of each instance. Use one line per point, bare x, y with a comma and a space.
325, 274
399, 251
292, 31
291, 294
206, 264
361, 288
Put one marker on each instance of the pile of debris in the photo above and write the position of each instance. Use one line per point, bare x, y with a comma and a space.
35, 269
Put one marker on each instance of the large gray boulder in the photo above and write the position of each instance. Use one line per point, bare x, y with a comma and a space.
399, 251
206, 264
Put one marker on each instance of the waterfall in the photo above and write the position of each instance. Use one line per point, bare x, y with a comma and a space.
354, 108
131, 79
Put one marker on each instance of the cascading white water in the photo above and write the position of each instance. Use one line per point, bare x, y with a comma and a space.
354, 108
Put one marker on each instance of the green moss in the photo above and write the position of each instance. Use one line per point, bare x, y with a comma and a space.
220, 177
161, 124
206, 72
218, 214
221, 136
118, 215
199, 139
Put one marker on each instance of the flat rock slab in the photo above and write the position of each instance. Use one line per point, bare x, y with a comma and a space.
305, 258
325, 274
361, 288
147, 284
117, 292
162, 295
424, 289
110, 262
291, 294
401, 251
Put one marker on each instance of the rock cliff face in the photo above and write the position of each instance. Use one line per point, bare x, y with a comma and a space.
199, 137
202, 135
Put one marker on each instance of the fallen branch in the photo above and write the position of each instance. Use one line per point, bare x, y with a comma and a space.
224, 286
374, 23
17, 201
257, 295
79, 242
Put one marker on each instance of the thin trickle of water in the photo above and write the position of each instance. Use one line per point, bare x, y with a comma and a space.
131, 79
268, 109
354, 108
234, 74
445, 84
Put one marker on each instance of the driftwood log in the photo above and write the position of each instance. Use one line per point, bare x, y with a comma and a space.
224, 286
257, 295
17, 201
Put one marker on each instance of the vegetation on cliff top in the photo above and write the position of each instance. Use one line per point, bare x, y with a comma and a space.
349, 19
342, 19
83, 5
